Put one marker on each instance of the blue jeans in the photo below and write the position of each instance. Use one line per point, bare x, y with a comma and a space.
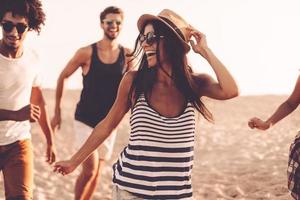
118, 194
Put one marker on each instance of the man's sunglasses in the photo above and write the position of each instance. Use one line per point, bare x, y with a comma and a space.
111, 22
9, 26
150, 38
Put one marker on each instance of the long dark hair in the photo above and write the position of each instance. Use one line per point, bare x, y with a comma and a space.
181, 72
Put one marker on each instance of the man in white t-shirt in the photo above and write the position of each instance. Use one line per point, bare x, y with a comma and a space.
21, 99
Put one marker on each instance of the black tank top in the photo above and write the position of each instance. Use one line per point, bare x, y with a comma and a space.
100, 86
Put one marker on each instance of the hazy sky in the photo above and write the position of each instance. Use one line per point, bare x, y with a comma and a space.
258, 40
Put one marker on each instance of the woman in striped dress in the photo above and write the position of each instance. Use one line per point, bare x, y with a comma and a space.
163, 96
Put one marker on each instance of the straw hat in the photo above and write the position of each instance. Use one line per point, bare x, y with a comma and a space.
171, 19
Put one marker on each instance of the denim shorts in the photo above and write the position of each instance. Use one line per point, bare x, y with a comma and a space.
118, 194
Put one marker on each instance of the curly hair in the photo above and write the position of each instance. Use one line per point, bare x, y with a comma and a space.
30, 9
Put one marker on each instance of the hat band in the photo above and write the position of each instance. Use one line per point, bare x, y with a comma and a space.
174, 27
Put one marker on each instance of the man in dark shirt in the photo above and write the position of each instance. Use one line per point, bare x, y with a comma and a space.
103, 64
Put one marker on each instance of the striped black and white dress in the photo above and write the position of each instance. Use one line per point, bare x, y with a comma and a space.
158, 161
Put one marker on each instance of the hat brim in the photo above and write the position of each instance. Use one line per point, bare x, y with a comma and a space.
147, 17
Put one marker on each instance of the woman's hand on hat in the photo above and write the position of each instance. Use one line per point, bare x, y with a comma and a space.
198, 42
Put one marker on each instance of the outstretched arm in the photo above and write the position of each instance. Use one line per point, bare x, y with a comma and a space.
102, 130
80, 58
282, 111
225, 87
38, 99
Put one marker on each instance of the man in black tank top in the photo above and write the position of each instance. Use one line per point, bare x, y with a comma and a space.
103, 64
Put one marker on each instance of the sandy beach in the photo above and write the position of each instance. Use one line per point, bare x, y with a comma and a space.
231, 161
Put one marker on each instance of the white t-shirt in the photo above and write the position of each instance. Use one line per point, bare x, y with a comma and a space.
17, 77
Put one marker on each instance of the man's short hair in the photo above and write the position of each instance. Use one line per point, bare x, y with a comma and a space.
30, 9
111, 9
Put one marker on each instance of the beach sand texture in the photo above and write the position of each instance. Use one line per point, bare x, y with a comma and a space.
231, 161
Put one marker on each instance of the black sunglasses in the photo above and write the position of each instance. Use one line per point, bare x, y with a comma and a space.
8, 27
150, 38
110, 22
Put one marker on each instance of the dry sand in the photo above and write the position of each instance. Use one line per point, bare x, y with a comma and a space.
231, 161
